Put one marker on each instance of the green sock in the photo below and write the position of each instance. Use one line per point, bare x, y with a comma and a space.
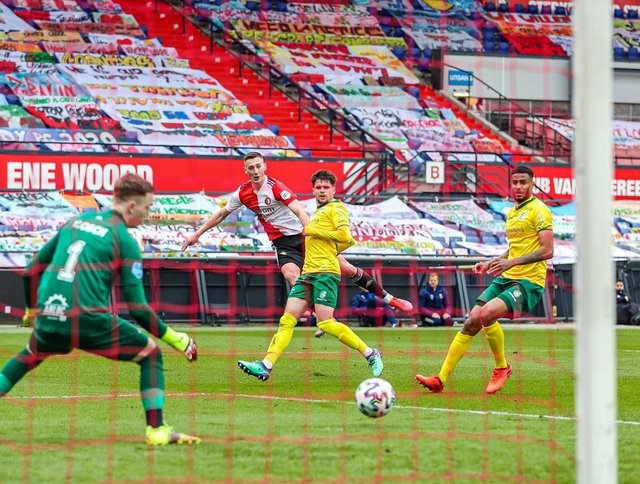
15, 369
152, 381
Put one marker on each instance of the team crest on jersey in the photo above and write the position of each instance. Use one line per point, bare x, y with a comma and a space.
517, 293
55, 307
267, 201
523, 215
136, 270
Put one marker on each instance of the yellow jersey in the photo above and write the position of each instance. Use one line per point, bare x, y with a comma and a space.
326, 235
524, 221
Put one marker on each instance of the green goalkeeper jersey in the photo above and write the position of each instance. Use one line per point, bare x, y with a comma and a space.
78, 269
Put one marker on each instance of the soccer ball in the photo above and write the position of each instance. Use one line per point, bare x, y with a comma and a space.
375, 397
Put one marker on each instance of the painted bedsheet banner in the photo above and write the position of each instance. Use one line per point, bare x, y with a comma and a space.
41, 84
123, 40
41, 36
16, 117
10, 22
451, 33
196, 113
395, 118
626, 33
19, 46
315, 34
350, 96
67, 112
221, 14
357, 61
29, 62
392, 227
33, 211
91, 28
362, 19
462, 212
48, 5
54, 15
120, 60
535, 34
626, 134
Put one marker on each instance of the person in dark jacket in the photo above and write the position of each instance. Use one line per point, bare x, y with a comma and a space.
433, 304
627, 312
372, 310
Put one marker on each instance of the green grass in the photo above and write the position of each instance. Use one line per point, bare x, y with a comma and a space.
302, 424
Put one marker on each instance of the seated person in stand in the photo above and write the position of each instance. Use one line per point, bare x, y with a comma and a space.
433, 304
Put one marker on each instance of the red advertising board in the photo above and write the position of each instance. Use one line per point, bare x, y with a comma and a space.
559, 183
77, 171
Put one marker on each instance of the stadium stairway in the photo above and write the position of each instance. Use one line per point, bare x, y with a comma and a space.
309, 133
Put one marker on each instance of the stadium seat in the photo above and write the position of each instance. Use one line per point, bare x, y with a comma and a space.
252, 5
489, 46
490, 7
519, 8
258, 117
560, 10
424, 63
634, 54
489, 33
632, 14
387, 29
274, 128
281, 6
503, 47
532, 9
399, 52
385, 21
546, 10
618, 53
617, 13
503, 7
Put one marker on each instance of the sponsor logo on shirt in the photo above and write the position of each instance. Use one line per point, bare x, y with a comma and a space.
285, 195
55, 307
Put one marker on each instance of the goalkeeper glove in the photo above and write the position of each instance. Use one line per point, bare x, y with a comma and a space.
181, 342
29, 317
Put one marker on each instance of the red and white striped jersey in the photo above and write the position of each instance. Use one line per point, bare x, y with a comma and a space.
270, 203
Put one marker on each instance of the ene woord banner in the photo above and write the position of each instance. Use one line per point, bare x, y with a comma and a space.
559, 183
99, 172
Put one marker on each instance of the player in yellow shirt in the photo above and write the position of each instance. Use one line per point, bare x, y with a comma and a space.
326, 235
520, 275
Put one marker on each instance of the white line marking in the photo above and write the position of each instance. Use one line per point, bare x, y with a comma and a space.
561, 418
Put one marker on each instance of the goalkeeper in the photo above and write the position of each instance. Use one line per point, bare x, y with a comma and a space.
326, 235
69, 282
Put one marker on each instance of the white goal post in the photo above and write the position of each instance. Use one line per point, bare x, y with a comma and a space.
595, 357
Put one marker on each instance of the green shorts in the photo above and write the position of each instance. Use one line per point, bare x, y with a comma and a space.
317, 288
520, 295
101, 334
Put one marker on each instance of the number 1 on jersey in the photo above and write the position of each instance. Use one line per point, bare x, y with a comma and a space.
68, 273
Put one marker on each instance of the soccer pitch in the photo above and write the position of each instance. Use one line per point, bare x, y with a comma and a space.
79, 418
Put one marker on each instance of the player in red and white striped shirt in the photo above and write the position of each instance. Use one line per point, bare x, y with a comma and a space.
283, 218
